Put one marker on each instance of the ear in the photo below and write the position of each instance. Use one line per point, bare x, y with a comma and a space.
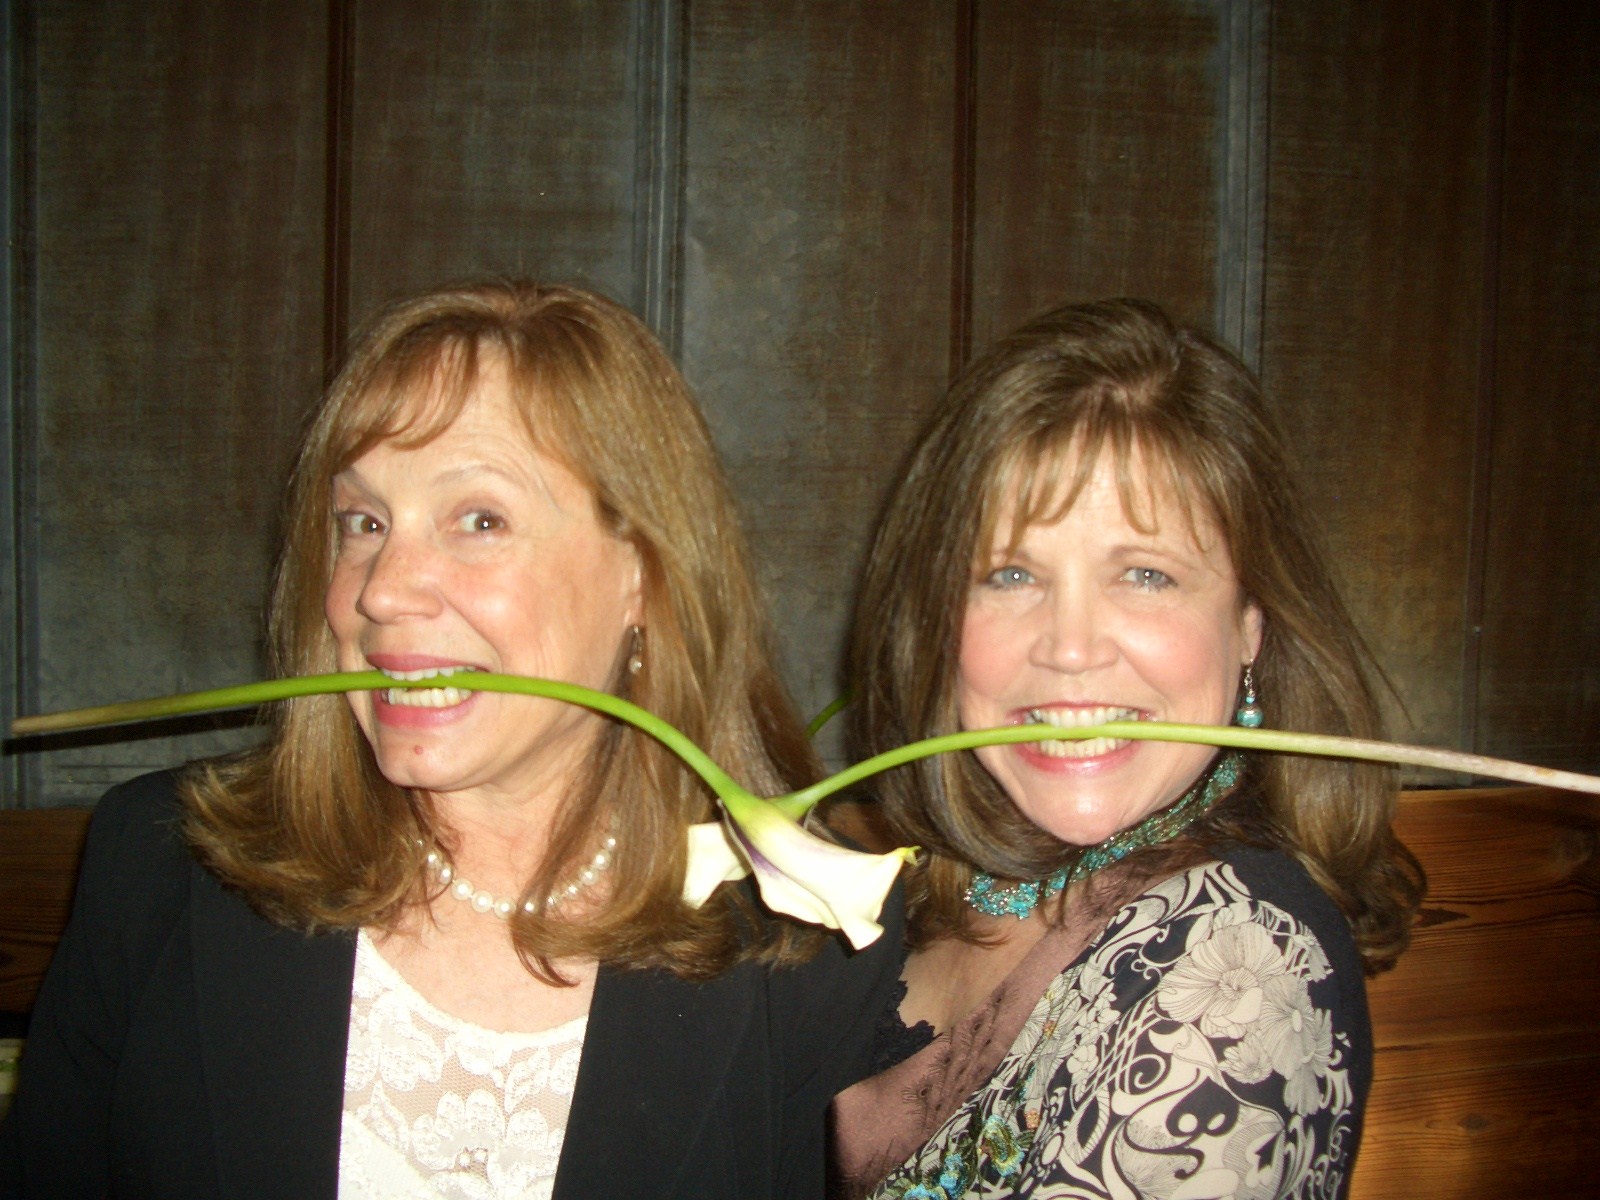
1252, 625
633, 586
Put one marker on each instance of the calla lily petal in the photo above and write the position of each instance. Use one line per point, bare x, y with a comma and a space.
713, 861
810, 878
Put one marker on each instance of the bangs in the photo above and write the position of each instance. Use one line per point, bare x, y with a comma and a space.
1042, 477
419, 390
410, 398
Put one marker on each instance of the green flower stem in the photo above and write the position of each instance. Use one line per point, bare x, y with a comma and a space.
797, 804
216, 700
251, 694
1279, 741
827, 714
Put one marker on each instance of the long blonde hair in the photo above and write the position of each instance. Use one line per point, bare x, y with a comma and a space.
1118, 378
308, 828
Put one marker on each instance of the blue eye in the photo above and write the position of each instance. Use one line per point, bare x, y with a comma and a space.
357, 524
1009, 577
1147, 579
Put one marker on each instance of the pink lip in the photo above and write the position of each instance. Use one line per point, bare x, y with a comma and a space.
405, 716
1093, 765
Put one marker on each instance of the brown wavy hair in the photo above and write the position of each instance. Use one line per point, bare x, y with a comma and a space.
310, 831
1118, 377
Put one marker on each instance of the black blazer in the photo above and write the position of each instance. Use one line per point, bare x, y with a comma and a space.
184, 1047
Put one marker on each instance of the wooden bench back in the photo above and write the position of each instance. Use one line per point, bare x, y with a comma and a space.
1488, 1032
39, 849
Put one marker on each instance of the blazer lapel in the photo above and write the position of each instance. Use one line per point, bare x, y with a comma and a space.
654, 1058
274, 1013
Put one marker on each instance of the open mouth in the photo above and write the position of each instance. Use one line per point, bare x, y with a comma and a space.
1079, 718
430, 697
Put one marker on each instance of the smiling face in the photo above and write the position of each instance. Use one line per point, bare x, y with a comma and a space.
476, 551
1090, 618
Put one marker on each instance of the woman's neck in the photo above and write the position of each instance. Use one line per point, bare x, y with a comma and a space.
464, 963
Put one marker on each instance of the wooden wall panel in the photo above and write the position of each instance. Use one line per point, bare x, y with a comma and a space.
175, 322
1539, 690
1428, 308
1095, 163
491, 139
1374, 312
817, 269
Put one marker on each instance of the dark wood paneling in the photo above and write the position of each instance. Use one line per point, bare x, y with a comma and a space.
492, 138
1432, 355
1096, 163
1539, 689
817, 271
1373, 312
176, 322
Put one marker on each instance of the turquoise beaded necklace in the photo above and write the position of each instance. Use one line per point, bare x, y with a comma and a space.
1019, 899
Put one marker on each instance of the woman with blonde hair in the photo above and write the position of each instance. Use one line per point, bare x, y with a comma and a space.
1137, 966
429, 941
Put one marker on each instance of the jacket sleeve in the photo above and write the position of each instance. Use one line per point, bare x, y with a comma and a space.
55, 1139
825, 1015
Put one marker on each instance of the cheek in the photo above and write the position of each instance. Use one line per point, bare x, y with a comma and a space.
989, 660
1195, 665
338, 603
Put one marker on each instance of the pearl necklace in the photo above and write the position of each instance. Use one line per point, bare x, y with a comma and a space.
483, 901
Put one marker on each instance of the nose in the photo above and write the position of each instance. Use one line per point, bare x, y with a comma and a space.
1076, 632
401, 581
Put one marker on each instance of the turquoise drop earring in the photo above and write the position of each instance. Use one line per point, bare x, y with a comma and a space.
1249, 715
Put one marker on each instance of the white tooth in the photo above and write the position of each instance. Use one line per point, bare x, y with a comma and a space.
424, 673
446, 697
1078, 718
1087, 748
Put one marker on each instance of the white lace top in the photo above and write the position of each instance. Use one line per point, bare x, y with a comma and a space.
436, 1108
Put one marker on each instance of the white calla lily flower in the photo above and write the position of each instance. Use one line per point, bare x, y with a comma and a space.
713, 861
797, 872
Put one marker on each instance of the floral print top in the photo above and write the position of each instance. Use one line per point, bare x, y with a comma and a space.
1211, 1042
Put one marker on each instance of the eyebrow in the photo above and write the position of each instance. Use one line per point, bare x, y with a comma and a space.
462, 472
465, 472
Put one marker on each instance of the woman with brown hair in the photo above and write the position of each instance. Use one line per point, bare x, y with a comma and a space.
429, 941
1137, 966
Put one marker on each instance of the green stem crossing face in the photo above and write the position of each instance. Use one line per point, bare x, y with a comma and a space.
798, 873
797, 803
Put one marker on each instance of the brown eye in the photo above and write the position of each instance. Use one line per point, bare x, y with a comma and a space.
481, 521
357, 524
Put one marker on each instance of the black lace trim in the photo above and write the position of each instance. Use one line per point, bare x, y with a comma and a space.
894, 1041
